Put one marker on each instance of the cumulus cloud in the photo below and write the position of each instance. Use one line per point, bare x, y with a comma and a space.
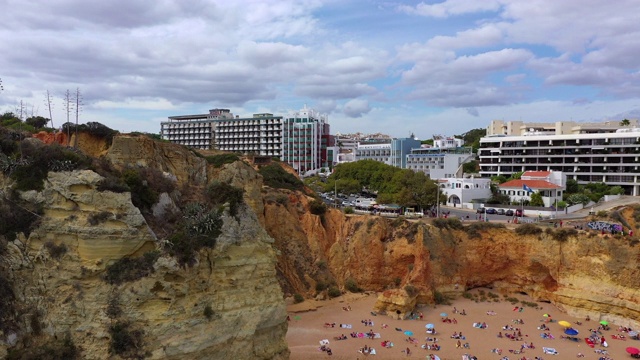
450, 8
355, 108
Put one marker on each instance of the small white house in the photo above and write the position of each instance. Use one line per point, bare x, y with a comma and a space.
550, 184
463, 190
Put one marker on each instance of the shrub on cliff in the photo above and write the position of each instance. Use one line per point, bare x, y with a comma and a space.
220, 193
17, 216
142, 195
317, 207
131, 269
221, 159
449, 223
99, 217
93, 128
473, 230
352, 285
276, 177
528, 229
297, 298
333, 292
52, 350
55, 251
200, 228
562, 234
411, 290
126, 341
37, 160
8, 321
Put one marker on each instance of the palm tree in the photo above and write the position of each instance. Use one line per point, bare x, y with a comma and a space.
625, 122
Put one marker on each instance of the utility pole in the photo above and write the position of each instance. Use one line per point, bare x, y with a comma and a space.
49, 105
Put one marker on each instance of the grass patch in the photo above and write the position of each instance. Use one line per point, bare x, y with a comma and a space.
473, 230
276, 177
222, 159
448, 223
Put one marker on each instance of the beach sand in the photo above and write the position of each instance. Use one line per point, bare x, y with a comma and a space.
306, 329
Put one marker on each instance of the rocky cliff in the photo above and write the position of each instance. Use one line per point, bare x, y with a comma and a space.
224, 303
581, 272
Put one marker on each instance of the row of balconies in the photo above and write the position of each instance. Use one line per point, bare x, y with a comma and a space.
244, 129
562, 143
190, 131
182, 137
246, 135
250, 122
186, 126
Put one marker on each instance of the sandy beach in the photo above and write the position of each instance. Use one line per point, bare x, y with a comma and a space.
307, 328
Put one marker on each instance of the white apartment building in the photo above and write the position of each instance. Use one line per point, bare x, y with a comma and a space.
196, 131
442, 160
259, 135
516, 128
392, 153
609, 157
302, 133
377, 152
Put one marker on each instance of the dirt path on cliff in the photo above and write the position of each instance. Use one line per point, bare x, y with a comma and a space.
306, 329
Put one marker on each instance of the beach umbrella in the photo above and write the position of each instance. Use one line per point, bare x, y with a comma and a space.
408, 333
443, 314
633, 350
564, 323
435, 357
429, 326
546, 315
571, 332
604, 322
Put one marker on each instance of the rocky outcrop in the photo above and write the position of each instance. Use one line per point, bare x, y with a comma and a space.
228, 304
585, 274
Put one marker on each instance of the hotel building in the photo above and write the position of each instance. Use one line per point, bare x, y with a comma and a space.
584, 152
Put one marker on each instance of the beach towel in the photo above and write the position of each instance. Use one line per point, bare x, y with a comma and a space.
478, 325
550, 351
372, 352
589, 342
360, 335
376, 336
345, 326
324, 342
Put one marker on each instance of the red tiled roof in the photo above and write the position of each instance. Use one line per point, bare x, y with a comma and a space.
537, 173
534, 184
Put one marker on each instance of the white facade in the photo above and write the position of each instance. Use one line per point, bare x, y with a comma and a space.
377, 152
439, 163
260, 135
301, 140
463, 190
196, 131
550, 185
516, 128
612, 158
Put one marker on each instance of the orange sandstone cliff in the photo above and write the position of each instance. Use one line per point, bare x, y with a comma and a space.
582, 274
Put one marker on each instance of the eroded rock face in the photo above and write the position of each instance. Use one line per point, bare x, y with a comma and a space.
587, 274
227, 305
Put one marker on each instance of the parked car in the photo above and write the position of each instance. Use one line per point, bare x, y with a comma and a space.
480, 211
501, 211
491, 211
345, 203
509, 212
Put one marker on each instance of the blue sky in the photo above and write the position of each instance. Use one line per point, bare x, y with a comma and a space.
396, 67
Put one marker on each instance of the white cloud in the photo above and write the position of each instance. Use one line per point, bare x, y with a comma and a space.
356, 108
450, 8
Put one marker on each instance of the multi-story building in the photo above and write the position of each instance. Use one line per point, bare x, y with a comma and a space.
612, 157
392, 152
196, 131
302, 139
515, 128
549, 184
461, 191
259, 135
441, 161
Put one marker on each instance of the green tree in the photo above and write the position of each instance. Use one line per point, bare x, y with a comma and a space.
572, 186
415, 189
578, 199
536, 199
515, 176
470, 167
38, 122
497, 197
499, 179
427, 142
625, 122
472, 138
